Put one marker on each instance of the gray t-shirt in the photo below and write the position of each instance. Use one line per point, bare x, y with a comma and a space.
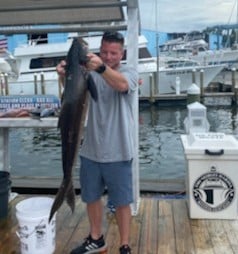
110, 131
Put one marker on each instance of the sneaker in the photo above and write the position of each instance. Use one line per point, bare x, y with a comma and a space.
90, 246
125, 249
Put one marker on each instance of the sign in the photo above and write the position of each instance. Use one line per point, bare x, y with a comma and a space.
28, 101
213, 191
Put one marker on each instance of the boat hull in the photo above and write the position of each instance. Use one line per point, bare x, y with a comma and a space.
166, 83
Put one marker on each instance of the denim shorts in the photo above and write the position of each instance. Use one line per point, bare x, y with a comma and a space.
116, 177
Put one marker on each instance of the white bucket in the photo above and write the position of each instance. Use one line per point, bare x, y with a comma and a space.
37, 236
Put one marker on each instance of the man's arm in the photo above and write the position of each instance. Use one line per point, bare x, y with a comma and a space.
113, 77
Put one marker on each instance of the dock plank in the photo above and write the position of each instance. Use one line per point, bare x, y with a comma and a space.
200, 235
149, 227
219, 239
166, 237
231, 229
161, 226
184, 243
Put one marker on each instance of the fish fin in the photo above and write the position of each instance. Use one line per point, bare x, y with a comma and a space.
70, 196
66, 190
92, 87
58, 199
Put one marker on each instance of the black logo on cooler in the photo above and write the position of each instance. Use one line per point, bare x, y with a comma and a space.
213, 191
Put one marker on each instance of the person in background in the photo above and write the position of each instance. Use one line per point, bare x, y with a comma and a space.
108, 147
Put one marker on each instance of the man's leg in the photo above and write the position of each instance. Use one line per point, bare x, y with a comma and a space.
123, 216
95, 215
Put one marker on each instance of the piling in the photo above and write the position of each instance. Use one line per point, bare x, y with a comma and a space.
233, 79
233, 87
177, 87
1, 84
194, 76
202, 82
35, 84
6, 84
152, 83
42, 82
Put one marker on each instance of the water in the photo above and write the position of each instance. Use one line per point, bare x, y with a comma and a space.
38, 151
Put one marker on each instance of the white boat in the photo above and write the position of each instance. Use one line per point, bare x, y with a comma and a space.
191, 43
37, 69
172, 69
37, 64
193, 46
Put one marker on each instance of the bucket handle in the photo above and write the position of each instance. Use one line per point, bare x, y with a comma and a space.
21, 235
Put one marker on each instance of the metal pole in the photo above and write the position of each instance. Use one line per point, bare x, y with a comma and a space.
132, 60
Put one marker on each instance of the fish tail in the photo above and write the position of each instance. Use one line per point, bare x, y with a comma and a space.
66, 187
70, 196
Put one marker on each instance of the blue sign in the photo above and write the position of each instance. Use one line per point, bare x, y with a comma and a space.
28, 101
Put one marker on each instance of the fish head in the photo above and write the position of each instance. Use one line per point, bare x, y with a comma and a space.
78, 52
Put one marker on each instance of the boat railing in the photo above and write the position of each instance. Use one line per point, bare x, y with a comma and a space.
38, 83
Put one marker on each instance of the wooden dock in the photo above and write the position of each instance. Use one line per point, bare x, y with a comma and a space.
43, 184
183, 98
162, 226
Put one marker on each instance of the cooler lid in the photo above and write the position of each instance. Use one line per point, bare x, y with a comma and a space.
210, 141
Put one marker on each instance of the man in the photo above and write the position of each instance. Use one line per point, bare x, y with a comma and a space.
108, 147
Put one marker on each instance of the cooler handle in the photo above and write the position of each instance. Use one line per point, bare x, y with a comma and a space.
217, 153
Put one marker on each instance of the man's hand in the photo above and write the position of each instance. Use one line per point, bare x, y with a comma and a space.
60, 68
94, 61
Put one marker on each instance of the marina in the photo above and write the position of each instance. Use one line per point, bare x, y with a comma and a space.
160, 127
164, 197
161, 226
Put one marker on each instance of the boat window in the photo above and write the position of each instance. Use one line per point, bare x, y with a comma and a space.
45, 62
143, 53
35, 39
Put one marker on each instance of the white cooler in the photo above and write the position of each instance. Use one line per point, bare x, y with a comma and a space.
212, 175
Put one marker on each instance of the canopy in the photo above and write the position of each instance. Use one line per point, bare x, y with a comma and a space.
29, 16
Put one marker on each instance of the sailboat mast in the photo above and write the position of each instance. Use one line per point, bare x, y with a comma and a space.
157, 48
236, 21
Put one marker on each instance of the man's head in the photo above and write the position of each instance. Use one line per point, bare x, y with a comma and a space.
113, 36
112, 48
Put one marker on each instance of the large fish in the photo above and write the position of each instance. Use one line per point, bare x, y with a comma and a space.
78, 82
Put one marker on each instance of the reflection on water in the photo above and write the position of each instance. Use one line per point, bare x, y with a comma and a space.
35, 152
161, 155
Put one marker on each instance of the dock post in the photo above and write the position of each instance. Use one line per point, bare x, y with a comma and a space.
6, 84
194, 76
42, 82
233, 79
1, 84
152, 82
233, 87
35, 84
202, 84
177, 85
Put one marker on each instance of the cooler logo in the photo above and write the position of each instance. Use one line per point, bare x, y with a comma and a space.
213, 191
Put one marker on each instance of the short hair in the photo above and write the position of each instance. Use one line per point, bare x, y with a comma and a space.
113, 36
